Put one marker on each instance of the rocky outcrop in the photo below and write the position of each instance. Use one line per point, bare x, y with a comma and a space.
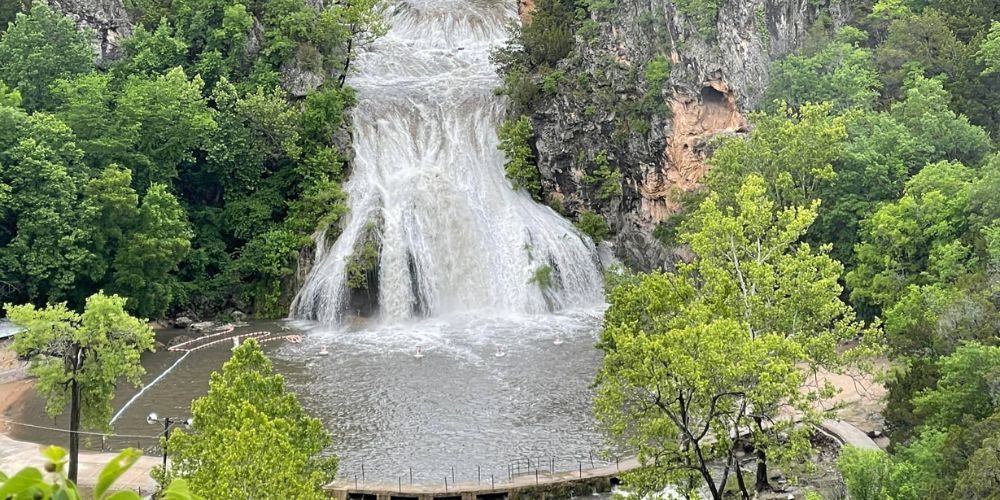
659, 138
107, 18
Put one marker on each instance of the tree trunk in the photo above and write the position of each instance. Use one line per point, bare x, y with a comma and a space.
745, 495
74, 431
347, 61
762, 484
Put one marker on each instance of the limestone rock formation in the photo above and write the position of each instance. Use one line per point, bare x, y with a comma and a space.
108, 19
717, 75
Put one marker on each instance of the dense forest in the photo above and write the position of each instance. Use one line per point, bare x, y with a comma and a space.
871, 181
182, 175
857, 219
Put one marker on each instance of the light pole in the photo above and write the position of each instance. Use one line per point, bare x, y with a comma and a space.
167, 423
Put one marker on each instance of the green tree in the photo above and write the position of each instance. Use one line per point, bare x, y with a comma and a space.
251, 438
724, 344
925, 112
47, 253
921, 40
110, 210
868, 474
39, 48
548, 38
79, 359
793, 151
173, 120
516, 142
146, 262
989, 51
874, 163
150, 53
915, 240
87, 105
842, 72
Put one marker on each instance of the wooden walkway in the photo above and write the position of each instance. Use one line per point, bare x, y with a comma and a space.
542, 484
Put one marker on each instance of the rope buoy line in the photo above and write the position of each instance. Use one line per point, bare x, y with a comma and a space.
229, 339
147, 386
222, 331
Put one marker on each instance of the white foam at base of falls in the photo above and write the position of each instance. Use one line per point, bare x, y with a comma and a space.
427, 173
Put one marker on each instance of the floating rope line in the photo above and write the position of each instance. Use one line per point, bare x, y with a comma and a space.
230, 339
67, 431
147, 386
226, 329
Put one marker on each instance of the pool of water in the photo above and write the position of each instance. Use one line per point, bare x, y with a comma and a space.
458, 411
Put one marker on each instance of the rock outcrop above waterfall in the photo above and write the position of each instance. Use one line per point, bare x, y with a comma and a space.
717, 74
107, 18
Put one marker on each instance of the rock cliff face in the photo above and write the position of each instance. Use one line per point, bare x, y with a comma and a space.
107, 18
717, 74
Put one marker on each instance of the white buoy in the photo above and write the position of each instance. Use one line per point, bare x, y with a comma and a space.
500, 352
558, 340
419, 353
323, 351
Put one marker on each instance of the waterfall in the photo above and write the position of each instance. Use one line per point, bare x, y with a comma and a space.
428, 182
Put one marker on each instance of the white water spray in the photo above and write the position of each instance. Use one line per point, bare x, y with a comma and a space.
428, 175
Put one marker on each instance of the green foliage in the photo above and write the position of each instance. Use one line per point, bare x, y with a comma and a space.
989, 51
39, 48
145, 262
608, 182
516, 138
542, 277
916, 240
173, 120
593, 225
842, 72
364, 261
793, 151
265, 261
31, 483
704, 14
251, 437
149, 53
194, 105
688, 353
868, 474
78, 359
548, 38
921, 40
925, 112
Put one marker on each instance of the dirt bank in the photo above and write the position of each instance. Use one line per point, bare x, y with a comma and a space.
10, 394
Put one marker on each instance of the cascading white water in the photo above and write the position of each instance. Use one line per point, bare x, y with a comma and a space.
454, 235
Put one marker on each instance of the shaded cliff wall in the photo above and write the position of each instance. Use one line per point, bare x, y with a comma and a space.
601, 102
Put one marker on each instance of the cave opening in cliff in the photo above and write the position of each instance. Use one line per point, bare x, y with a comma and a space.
710, 96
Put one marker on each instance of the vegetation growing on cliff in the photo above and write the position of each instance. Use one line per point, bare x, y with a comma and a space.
184, 176
885, 132
516, 138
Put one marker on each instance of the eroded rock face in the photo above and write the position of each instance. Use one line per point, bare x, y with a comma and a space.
716, 77
108, 19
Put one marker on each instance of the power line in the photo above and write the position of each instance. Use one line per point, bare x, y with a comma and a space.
102, 434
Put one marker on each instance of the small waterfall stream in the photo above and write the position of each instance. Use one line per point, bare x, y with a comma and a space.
428, 182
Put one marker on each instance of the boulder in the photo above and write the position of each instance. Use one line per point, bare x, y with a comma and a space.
183, 322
